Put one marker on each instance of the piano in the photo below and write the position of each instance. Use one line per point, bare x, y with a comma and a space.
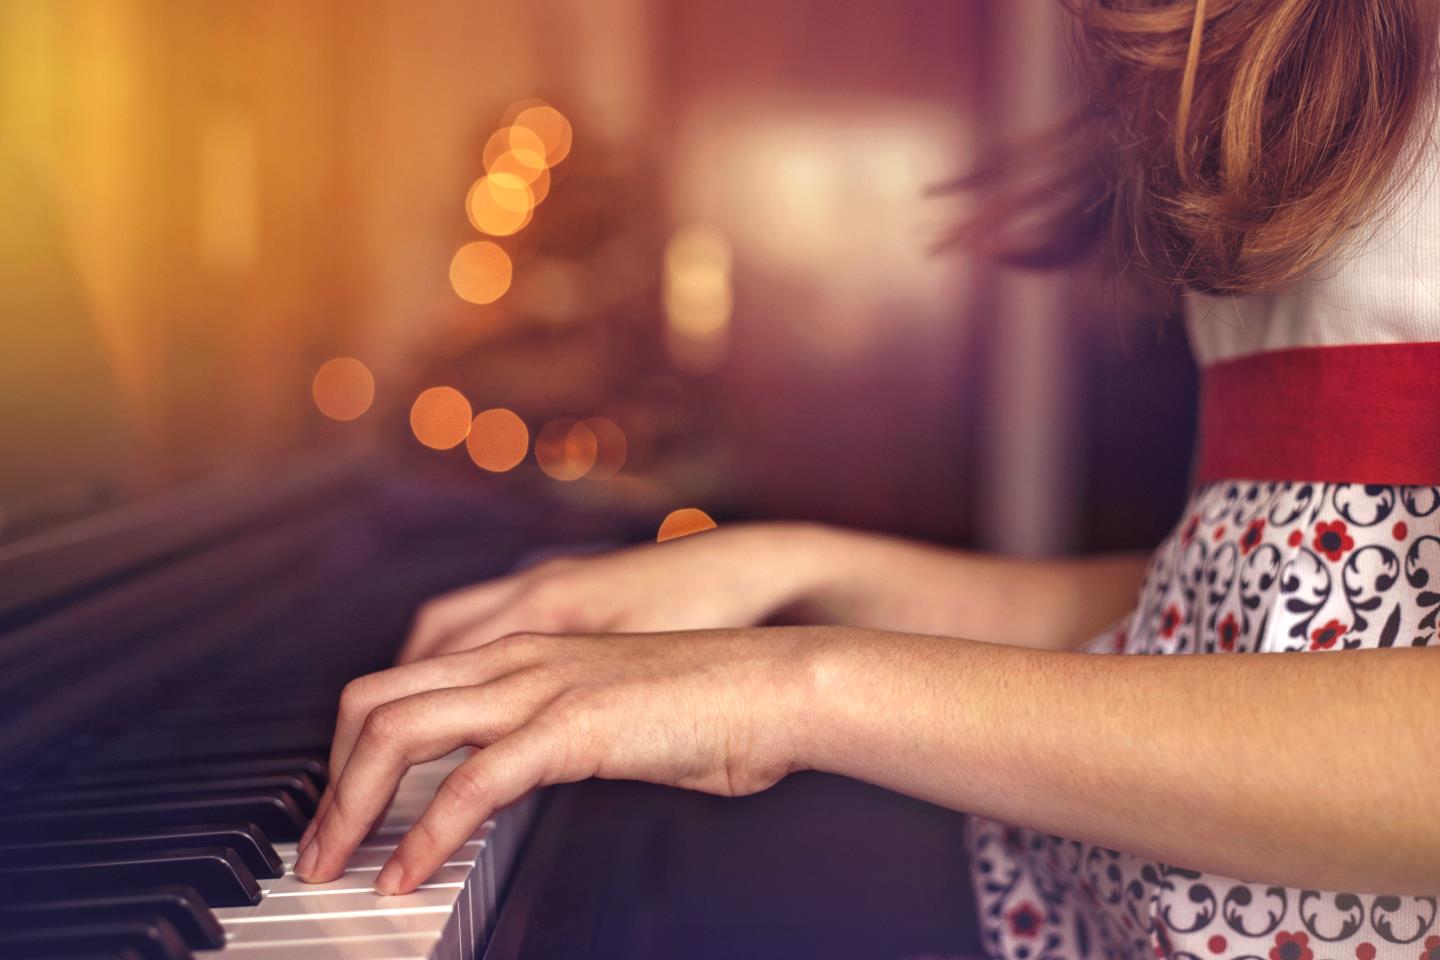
169, 673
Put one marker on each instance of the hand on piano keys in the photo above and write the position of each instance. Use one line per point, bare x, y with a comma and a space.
715, 711
158, 883
729, 577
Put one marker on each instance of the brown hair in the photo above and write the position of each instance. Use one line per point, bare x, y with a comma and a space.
1227, 146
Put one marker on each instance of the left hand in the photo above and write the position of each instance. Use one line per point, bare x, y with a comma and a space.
715, 711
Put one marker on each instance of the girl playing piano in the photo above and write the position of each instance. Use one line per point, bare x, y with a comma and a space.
1272, 163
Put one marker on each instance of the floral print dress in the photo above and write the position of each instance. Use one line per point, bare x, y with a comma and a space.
1252, 567
1313, 528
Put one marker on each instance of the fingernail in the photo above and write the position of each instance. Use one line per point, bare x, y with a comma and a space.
387, 884
307, 860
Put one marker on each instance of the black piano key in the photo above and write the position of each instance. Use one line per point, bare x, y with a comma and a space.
146, 747
253, 730
247, 840
314, 711
217, 873
301, 789
154, 939
275, 814
313, 764
182, 906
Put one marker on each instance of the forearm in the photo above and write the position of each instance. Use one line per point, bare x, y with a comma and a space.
1211, 763
865, 580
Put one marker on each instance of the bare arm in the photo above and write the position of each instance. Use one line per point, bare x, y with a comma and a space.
740, 575
890, 584
1312, 770
1212, 762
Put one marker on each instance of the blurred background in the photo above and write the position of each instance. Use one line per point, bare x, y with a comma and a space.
634, 255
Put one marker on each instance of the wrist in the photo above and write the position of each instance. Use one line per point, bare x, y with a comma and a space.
783, 563
826, 695
867, 697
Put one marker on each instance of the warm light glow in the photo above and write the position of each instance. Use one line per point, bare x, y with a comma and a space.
510, 192
550, 126
683, 522
480, 272
498, 440
527, 146
698, 296
343, 388
611, 447
566, 449
440, 418
228, 173
515, 164
696, 307
499, 204
699, 248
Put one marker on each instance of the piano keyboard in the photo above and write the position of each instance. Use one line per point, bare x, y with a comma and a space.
345, 920
448, 918
171, 833
168, 689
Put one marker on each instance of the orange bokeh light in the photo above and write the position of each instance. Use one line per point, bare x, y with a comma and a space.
480, 272
566, 449
440, 418
550, 127
683, 522
499, 204
343, 388
611, 447
525, 143
498, 440
514, 163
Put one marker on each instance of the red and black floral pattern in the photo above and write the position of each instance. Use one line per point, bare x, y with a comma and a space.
1292, 946
1227, 633
1323, 638
1332, 540
1252, 567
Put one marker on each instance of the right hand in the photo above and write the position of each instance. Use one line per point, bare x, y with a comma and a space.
730, 577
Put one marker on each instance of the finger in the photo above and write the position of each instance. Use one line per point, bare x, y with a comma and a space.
498, 775
320, 809
399, 734
363, 695
509, 620
443, 617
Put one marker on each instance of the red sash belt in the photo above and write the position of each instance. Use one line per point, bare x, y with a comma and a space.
1353, 414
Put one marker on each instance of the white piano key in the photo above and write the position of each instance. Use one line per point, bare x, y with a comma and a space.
465, 935
481, 920
327, 905
353, 881
413, 802
349, 948
480, 897
484, 917
397, 822
315, 929
486, 902
373, 857
449, 946
289, 853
